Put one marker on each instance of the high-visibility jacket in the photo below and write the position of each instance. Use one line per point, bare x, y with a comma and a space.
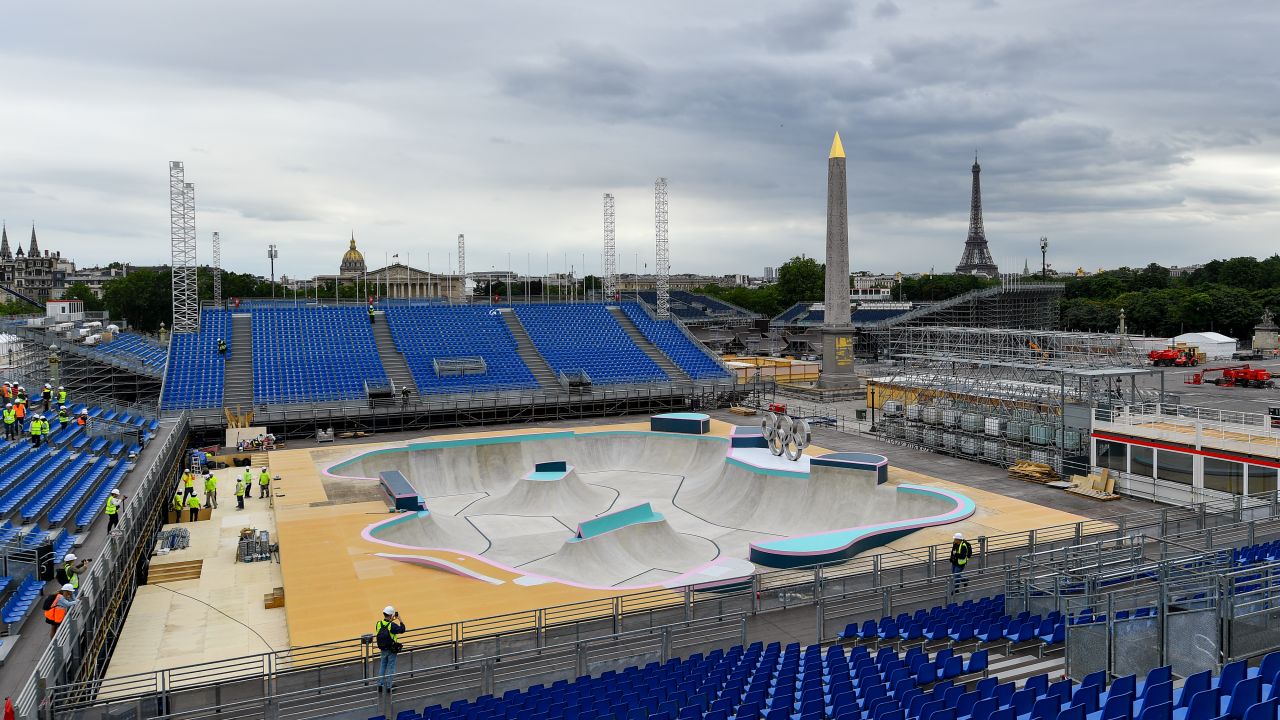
36, 428
177, 501
63, 418
193, 502
20, 411
10, 417
69, 570
188, 480
81, 419
112, 506
62, 397
960, 553
8, 391
248, 477
240, 488
387, 634
55, 614
264, 478
211, 484
46, 395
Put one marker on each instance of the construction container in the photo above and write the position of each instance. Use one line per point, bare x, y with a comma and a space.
1012, 454
949, 440
892, 408
951, 417
912, 433
991, 450
971, 422
1040, 435
1040, 456
932, 415
1016, 430
912, 412
969, 446
932, 438
994, 426
1070, 440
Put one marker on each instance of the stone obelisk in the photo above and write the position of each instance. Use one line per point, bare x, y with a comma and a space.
837, 329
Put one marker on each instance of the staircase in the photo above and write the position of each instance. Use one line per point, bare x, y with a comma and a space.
237, 376
672, 370
537, 365
393, 361
174, 571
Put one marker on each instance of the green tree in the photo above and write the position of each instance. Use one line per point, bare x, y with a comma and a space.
801, 279
143, 297
85, 294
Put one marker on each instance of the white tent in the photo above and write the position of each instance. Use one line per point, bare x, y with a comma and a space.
1213, 345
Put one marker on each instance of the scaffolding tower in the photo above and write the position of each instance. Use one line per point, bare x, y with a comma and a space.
217, 269
182, 251
662, 260
462, 260
610, 252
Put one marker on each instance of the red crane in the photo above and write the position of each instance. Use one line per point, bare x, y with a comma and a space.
1234, 376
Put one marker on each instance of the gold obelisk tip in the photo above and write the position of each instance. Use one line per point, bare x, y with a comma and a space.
837, 150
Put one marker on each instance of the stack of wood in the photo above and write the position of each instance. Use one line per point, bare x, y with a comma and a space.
1032, 472
738, 410
1099, 487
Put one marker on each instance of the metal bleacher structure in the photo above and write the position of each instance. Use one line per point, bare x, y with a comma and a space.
422, 364
1011, 305
1173, 593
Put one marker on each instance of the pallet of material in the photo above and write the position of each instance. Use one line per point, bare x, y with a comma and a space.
1098, 487
273, 599
1032, 472
742, 410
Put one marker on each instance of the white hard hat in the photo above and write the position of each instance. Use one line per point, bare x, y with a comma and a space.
70, 557
61, 387
68, 588
116, 491
264, 469
388, 610
958, 536
48, 385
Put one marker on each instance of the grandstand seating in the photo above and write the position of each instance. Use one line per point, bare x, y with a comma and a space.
133, 347
314, 354
193, 376
670, 339
694, 307
801, 314
586, 338
426, 333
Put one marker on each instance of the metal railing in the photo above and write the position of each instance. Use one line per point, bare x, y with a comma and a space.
432, 676
1192, 425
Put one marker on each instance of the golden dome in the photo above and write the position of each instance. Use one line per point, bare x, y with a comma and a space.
352, 260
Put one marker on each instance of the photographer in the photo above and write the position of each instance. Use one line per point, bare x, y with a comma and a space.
69, 573
387, 629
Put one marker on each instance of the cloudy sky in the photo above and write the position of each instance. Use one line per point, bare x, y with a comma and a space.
1127, 132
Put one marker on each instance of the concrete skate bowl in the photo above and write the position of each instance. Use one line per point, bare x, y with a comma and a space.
634, 509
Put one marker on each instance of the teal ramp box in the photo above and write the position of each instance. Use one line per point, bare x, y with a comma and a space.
398, 487
641, 513
684, 423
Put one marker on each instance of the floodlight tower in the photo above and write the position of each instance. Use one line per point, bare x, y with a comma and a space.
217, 269
272, 254
610, 252
182, 251
661, 259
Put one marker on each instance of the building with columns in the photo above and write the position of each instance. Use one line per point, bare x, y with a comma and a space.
395, 281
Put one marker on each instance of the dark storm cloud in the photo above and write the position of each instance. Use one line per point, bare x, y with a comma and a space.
1124, 131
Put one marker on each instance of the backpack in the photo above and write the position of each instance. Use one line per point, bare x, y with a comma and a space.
49, 602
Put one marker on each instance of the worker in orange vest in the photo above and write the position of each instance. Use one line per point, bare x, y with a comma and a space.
55, 608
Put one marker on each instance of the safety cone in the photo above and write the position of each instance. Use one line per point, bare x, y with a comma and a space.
8, 710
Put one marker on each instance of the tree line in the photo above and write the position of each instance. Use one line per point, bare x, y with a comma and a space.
1226, 296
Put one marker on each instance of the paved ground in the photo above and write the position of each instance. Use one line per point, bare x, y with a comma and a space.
1250, 400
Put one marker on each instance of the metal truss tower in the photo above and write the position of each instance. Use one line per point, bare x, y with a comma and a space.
217, 269
182, 251
662, 259
462, 257
610, 252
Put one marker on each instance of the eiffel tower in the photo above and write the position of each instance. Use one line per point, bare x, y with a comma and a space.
977, 256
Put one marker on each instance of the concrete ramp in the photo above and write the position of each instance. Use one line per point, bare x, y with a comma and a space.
547, 493
426, 530
628, 552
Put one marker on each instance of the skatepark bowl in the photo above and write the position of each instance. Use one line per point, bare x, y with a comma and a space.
634, 509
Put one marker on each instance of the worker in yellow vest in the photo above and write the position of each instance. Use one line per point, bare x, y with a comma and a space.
10, 422
193, 507
188, 484
62, 395
114, 501
264, 483
241, 489
36, 428
177, 505
210, 490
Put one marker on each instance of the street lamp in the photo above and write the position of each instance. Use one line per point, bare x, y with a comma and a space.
272, 255
1044, 251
